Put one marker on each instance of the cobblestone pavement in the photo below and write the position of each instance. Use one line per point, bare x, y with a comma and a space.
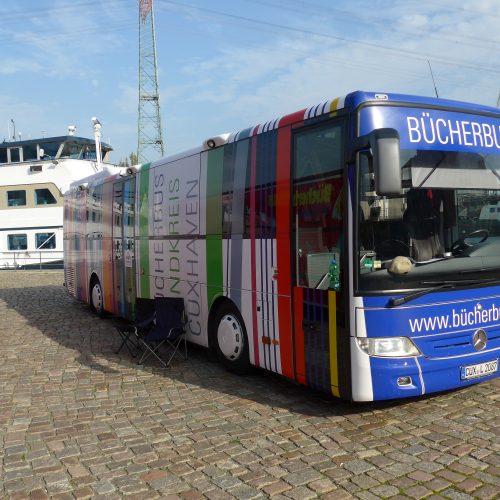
79, 421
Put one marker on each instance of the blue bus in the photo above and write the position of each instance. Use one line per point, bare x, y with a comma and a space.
353, 246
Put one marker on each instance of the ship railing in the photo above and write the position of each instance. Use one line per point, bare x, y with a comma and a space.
31, 259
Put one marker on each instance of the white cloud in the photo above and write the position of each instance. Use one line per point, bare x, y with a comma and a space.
60, 40
127, 99
11, 66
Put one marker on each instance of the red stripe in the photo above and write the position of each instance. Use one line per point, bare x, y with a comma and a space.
253, 175
283, 249
293, 118
300, 359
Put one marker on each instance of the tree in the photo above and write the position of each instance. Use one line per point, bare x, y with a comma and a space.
127, 162
133, 158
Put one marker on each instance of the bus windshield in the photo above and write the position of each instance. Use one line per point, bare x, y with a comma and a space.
444, 226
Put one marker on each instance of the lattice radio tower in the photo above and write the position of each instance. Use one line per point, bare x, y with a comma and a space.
149, 136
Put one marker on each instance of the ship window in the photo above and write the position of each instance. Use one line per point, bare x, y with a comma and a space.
17, 241
16, 198
15, 155
71, 150
50, 150
46, 241
29, 152
44, 197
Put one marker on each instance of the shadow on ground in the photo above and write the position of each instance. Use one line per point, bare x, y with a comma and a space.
57, 316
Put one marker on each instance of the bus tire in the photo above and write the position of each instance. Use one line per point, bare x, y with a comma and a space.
96, 297
231, 341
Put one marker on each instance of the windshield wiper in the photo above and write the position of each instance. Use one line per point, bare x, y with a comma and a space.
440, 160
438, 285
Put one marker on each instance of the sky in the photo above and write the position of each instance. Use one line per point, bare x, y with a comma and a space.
226, 65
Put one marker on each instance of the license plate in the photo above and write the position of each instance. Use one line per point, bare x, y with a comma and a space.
479, 370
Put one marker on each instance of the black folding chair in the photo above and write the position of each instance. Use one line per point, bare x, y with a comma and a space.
130, 332
169, 330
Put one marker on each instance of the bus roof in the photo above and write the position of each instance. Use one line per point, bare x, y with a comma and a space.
357, 98
351, 102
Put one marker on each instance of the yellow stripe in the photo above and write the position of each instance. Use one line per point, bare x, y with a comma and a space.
334, 104
332, 322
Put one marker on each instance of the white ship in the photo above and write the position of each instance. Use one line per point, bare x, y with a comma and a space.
34, 174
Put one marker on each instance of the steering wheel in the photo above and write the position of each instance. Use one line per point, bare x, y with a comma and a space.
392, 248
460, 245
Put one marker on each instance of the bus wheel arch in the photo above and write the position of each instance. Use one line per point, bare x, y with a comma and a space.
96, 295
228, 339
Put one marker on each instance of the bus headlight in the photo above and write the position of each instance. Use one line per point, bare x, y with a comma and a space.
394, 347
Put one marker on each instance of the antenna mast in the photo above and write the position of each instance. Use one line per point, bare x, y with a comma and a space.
149, 136
432, 76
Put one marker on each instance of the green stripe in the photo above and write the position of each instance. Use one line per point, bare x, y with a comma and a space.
144, 229
214, 224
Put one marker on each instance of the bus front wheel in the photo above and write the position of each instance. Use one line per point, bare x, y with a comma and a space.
96, 297
231, 340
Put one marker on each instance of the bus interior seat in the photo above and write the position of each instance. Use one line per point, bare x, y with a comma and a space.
422, 221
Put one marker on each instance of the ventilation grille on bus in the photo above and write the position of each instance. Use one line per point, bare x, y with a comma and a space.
69, 277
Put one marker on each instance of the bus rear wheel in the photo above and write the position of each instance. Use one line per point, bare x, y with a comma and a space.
231, 341
96, 297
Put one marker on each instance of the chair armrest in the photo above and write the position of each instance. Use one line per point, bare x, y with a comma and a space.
175, 331
145, 323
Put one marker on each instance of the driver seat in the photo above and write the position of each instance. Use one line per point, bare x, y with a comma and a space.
422, 221
425, 247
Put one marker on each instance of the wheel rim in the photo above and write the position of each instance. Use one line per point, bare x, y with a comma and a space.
230, 337
97, 297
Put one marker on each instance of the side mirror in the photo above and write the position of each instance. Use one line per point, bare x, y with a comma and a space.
384, 144
386, 165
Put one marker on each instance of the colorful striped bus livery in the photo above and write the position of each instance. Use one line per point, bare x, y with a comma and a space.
340, 246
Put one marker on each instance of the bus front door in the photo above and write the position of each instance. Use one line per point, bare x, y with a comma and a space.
317, 234
123, 247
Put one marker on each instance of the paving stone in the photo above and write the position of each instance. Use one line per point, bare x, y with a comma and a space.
399, 469
455, 494
487, 492
437, 484
358, 466
366, 495
302, 477
245, 492
488, 478
301, 493
276, 488
417, 492
421, 476
429, 467
103, 487
321, 486
226, 482
450, 476
385, 490
39, 494
191, 495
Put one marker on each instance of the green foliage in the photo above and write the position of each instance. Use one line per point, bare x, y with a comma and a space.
129, 161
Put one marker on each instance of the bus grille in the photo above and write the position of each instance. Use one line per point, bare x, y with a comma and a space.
69, 278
